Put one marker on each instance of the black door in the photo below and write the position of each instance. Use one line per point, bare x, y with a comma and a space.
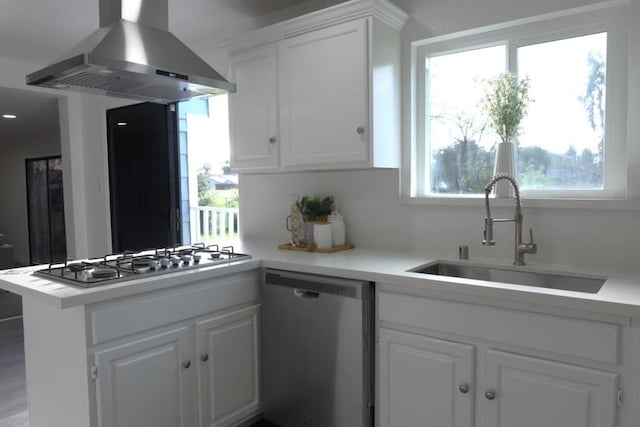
143, 171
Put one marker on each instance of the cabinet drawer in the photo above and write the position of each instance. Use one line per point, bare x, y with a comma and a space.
598, 341
130, 316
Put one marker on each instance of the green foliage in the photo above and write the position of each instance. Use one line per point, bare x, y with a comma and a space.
219, 198
316, 208
505, 103
464, 167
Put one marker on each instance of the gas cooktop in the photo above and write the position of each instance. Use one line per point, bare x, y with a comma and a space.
116, 268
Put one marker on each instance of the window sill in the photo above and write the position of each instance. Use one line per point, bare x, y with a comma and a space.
478, 201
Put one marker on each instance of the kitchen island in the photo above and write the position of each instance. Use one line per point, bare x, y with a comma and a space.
73, 335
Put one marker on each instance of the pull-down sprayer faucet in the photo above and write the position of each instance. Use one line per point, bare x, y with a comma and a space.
520, 247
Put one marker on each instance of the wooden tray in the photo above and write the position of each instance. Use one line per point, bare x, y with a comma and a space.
313, 248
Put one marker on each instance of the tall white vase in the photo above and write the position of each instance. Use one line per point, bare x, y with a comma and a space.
505, 163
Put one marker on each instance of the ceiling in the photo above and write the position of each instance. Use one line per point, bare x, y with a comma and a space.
41, 31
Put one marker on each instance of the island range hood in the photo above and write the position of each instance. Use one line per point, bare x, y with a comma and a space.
133, 55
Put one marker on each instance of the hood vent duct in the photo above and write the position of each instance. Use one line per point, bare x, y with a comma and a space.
133, 55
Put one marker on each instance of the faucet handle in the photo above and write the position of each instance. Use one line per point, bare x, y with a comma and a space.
531, 247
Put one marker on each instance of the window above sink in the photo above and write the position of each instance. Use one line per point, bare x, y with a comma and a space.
573, 143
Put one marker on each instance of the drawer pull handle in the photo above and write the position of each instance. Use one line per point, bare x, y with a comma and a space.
464, 388
187, 364
490, 395
204, 357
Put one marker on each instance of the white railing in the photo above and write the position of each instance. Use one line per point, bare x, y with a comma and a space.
213, 225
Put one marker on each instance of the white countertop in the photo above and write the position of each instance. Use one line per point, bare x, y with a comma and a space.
620, 295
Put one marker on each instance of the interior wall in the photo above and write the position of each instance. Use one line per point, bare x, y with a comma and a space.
83, 142
13, 188
376, 216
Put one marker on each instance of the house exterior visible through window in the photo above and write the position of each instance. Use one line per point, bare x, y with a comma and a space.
208, 189
570, 144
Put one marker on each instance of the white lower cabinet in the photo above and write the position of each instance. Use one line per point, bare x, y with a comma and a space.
228, 364
432, 373
155, 380
524, 391
425, 381
145, 382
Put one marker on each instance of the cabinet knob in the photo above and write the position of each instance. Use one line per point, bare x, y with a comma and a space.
187, 364
464, 388
204, 357
490, 394
272, 140
360, 130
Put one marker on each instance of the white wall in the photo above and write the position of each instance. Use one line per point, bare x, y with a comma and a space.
376, 216
83, 143
374, 213
13, 188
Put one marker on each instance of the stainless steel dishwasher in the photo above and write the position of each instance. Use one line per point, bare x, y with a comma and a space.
317, 352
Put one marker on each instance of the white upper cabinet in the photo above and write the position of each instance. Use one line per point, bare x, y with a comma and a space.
335, 103
253, 110
324, 97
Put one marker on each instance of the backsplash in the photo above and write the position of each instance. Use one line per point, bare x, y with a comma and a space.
376, 217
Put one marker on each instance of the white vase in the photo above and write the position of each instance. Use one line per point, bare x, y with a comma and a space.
505, 163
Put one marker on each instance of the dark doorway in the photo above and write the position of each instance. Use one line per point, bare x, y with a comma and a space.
143, 171
45, 210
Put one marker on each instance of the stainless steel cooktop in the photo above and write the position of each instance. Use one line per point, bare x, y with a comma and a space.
120, 267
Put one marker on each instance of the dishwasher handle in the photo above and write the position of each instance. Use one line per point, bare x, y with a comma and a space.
315, 284
306, 294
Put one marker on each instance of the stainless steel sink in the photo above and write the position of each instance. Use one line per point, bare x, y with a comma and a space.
566, 282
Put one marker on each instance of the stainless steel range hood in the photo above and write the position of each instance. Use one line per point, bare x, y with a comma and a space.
133, 55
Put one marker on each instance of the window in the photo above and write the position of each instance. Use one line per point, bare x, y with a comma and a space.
567, 147
208, 189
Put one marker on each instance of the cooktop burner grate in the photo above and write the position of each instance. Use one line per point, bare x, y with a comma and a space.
129, 265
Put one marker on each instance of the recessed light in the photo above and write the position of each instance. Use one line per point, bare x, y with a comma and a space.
9, 116
121, 123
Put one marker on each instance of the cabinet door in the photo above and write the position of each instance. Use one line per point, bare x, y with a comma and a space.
228, 374
530, 392
145, 382
253, 110
424, 382
323, 79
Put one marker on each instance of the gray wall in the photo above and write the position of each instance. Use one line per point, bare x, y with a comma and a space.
13, 189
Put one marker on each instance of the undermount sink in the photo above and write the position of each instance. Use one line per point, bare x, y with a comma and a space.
501, 274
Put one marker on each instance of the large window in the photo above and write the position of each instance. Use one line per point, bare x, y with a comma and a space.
566, 147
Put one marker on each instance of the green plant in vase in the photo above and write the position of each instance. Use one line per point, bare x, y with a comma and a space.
505, 103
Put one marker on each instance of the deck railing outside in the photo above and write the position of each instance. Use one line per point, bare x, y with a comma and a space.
213, 225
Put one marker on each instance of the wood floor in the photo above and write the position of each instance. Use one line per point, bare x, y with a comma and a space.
13, 392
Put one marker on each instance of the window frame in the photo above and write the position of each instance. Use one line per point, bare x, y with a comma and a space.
588, 20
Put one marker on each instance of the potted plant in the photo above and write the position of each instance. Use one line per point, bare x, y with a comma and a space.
315, 210
505, 103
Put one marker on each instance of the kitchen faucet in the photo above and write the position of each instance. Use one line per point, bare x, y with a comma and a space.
520, 247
